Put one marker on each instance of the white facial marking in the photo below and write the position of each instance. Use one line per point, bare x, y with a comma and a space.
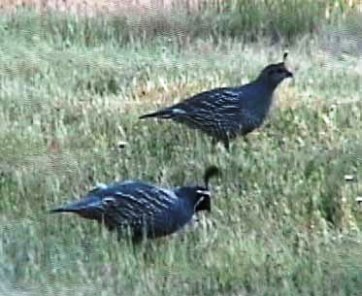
203, 192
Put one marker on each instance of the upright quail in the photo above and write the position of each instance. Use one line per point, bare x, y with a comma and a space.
145, 210
224, 113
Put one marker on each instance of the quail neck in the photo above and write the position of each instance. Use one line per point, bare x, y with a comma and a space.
256, 97
259, 93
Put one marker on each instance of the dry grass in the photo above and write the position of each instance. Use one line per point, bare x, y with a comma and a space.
92, 7
129, 20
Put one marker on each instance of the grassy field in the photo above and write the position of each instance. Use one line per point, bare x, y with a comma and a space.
284, 220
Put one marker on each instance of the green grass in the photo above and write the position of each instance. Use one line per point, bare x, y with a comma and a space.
284, 220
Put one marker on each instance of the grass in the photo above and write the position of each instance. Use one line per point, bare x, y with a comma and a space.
279, 20
284, 220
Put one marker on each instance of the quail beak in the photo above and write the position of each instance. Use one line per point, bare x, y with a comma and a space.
288, 74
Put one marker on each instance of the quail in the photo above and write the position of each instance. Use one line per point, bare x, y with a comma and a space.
141, 209
225, 113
